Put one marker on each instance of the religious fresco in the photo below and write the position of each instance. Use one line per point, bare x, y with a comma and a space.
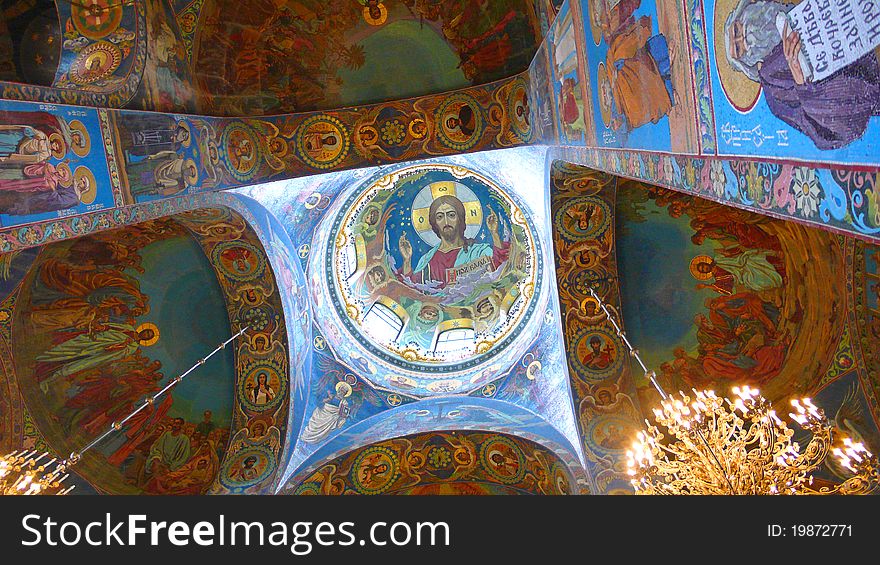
752, 316
837, 198
602, 385
474, 463
436, 415
435, 269
30, 35
167, 83
90, 54
568, 79
640, 75
51, 163
256, 430
263, 58
94, 329
542, 104
795, 79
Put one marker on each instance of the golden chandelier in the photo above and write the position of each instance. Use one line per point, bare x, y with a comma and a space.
714, 445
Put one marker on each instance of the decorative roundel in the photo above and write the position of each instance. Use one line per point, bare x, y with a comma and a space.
263, 386
459, 122
258, 318
96, 18
97, 61
307, 489
322, 141
583, 218
597, 354
518, 110
608, 434
238, 260
374, 470
503, 460
453, 286
559, 476
248, 467
241, 150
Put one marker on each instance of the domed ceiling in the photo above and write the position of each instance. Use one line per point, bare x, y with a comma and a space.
431, 303
433, 270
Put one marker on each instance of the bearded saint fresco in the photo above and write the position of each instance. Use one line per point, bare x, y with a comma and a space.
759, 43
436, 255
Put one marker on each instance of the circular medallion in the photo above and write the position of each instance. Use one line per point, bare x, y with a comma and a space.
238, 260
241, 150
459, 122
583, 218
374, 470
258, 318
518, 109
263, 387
322, 141
503, 460
608, 434
597, 354
248, 467
598, 12
80, 142
95, 62
96, 18
454, 284
85, 183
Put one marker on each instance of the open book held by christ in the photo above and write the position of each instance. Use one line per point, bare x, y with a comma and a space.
834, 33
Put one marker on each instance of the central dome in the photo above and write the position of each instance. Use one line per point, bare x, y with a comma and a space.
434, 270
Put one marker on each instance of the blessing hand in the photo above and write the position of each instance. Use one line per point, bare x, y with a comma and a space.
406, 250
791, 47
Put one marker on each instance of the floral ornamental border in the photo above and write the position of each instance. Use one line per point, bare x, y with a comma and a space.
840, 199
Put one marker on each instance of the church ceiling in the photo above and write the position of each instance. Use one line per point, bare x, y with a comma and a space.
262, 57
94, 325
472, 463
379, 345
712, 297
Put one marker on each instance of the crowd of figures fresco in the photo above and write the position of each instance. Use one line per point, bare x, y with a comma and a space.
99, 323
712, 297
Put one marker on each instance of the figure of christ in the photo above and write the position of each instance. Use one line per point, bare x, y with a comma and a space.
447, 218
